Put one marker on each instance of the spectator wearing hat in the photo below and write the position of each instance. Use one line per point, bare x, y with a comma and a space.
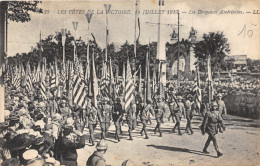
69, 143
144, 114
11, 162
210, 126
117, 115
179, 112
97, 158
17, 145
189, 105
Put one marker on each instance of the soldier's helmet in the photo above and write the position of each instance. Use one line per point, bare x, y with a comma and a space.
101, 145
189, 96
179, 98
214, 104
118, 99
219, 95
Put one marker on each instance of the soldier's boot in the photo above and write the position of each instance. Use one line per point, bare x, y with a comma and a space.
186, 129
160, 131
142, 132
179, 130
121, 131
146, 137
217, 150
92, 140
206, 146
130, 135
155, 129
169, 118
174, 128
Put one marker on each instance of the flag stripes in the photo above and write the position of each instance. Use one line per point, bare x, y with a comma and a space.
129, 89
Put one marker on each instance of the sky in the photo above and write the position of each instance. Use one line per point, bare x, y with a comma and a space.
241, 30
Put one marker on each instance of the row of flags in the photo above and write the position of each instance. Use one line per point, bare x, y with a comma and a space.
81, 86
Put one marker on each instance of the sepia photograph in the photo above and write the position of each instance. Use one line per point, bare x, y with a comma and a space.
130, 83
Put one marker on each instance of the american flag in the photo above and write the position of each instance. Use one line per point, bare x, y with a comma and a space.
196, 89
129, 88
104, 82
79, 92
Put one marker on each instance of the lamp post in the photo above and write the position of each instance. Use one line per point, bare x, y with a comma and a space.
63, 39
75, 26
88, 17
107, 8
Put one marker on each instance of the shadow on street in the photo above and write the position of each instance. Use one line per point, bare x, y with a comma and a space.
180, 150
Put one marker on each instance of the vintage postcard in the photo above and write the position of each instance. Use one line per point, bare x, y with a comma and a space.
131, 82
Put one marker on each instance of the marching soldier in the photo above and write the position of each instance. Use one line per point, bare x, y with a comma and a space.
189, 113
144, 116
221, 105
179, 110
210, 126
92, 123
159, 113
104, 116
170, 96
117, 115
64, 109
131, 119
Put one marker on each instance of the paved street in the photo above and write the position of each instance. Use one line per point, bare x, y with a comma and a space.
239, 144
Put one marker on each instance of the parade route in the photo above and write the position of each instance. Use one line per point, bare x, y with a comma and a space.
239, 144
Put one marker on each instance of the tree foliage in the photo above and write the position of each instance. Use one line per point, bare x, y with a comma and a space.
19, 10
214, 45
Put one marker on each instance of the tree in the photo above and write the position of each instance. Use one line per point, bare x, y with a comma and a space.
214, 45
14, 11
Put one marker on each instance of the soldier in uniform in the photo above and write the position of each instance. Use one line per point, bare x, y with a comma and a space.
97, 158
210, 126
117, 115
221, 105
179, 110
159, 113
91, 114
131, 119
144, 116
64, 110
104, 116
189, 113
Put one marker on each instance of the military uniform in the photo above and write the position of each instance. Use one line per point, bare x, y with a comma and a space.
159, 113
222, 107
189, 114
92, 123
96, 159
210, 126
131, 119
104, 116
179, 111
144, 117
117, 115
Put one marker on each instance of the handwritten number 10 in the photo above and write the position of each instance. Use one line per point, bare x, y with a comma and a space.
249, 33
